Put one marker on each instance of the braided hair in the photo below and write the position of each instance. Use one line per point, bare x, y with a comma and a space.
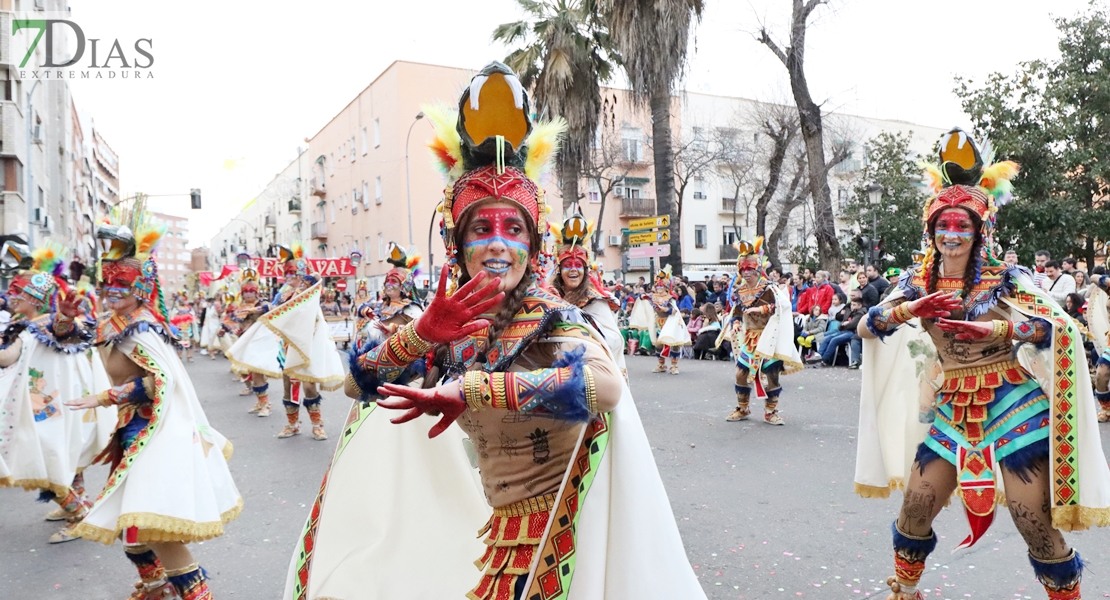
514, 298
974, 263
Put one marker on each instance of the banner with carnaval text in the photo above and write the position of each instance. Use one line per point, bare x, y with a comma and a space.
320, 267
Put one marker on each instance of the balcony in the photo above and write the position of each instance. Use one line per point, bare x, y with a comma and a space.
728, 253
271, 221
319, 230
295, 206
728, 205
637, 207
316, 184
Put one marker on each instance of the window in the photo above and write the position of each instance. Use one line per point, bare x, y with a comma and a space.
378, 189
631, 192
332, 205
352, 148
700, 235
841, 199
364, 141
729, 235
381, 248
331, 164
365, 194
367, 255
630, 144
595, 197
699, 188
728, 205
377, 133
801, 237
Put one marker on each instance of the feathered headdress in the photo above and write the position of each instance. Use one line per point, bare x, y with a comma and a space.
967, 177
293, 260
571, 237
128, 239
405, 268
749, 256
42, 277
489, 148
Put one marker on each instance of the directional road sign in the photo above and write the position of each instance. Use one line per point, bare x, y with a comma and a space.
657, 221
649, 251
649, 237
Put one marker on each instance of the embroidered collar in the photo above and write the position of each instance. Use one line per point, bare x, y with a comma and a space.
745, 296
116, 328
994, 283
539, 311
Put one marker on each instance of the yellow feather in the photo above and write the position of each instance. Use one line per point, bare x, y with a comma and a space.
933, 177
999, 171
447, 140
543, 144
758, 243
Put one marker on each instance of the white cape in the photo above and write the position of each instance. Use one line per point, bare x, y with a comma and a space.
178, 486
777, 339
627, 546
209, 340
51, 443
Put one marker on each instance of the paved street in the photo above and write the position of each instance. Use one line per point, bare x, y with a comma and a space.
765, 512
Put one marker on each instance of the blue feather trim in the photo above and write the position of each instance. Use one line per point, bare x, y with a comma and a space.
925, 455
261, 388
369, 382
872, 314
1102, 396
1028, 460
915, 550
1060, 575
46, 496
83, 339
569, 401
905, 283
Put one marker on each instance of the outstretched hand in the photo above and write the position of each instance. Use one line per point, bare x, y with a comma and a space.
937, 304
441, 400
450, 319
966, 331
69, 304
85, 402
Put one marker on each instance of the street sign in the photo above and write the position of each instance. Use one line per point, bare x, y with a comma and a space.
341, 285
651, 251
649, 223
649, 237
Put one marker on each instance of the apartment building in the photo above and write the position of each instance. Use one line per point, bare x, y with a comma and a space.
175, 260
354, 186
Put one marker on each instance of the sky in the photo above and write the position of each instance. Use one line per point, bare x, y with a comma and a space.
248, 81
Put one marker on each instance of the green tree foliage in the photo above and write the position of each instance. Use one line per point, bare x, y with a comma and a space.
891, 164
1053, 118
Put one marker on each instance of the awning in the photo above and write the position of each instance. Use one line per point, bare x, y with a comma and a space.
635, 181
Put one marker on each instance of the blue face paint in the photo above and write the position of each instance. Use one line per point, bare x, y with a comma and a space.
960, 234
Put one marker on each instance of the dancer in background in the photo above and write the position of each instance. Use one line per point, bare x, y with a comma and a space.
669, 330
763, 330
1025, 423
170, 484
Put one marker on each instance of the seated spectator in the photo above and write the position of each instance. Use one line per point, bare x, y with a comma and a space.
696, 320
839, 302
813, 330
706, 340
869, 294
846, 335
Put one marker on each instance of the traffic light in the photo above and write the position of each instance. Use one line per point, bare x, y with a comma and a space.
871, 249
194, 196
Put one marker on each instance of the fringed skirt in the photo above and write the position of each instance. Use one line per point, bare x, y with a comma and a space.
513, 535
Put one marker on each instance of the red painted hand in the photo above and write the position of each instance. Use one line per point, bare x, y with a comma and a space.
441, 400
966, 330
70, 305
450, 319
937, 304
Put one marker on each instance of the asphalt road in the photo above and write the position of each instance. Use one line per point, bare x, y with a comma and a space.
765, 512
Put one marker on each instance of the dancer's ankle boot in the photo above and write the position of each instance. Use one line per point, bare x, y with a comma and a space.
743, 393
1060, 577
910, 553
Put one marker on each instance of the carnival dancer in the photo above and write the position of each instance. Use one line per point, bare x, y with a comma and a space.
293, 342
762, 329
578, 284
47, 359
170, 483
329, 305
668, 331
1100, 326
185, 321
378, 320
240, 317
533, 385
1021, 426
210, 330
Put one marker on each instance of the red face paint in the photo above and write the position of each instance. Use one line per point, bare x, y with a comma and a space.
495, 224
574, 263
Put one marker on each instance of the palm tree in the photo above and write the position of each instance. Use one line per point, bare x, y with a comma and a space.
651, 37
563, 60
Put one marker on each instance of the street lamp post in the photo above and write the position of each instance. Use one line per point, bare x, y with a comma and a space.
874, 198
408, 187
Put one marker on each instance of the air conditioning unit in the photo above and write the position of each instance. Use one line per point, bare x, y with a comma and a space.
47, 224
618, 192
36, 134
614, 240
